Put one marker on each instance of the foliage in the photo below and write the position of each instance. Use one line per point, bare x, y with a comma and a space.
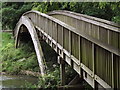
15, 60
24, 58
11, 12
6, 38
51, 80
105, 10
29, 85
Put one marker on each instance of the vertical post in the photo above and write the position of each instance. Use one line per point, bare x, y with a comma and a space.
70, 47
56, 27
62, 70
79, 43
52, 24
98, 33
108, 36
70, 42
62, 40
93, 58
62, 36
112, 71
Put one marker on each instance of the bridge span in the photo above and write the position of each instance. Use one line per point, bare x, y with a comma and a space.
91, 46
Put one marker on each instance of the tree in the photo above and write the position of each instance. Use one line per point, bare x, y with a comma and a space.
11, 12
105, 10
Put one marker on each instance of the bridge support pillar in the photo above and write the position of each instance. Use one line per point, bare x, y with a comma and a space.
62, 70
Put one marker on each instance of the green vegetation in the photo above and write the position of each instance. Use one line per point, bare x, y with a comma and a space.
24, 58
105, 10
50, 81
15, 60
11, 12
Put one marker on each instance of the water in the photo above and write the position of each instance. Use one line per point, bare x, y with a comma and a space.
15, 81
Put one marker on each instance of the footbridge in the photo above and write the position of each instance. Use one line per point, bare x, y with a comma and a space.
91, 46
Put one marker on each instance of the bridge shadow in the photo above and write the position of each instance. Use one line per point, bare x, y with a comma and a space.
49, 54
24, 38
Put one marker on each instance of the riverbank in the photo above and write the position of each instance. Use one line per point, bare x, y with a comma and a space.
24, 72
23, 61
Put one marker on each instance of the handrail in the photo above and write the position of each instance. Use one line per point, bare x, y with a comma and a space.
77, 15
91, 26
97, 42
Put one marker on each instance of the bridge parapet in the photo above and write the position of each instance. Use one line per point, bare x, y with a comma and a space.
100, 29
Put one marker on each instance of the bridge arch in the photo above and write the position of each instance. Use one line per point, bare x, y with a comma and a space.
25, 22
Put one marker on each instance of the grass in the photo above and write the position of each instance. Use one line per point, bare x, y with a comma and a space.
6, 38
24, 58
15, 60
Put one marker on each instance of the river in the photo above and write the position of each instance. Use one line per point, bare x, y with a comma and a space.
15, 81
